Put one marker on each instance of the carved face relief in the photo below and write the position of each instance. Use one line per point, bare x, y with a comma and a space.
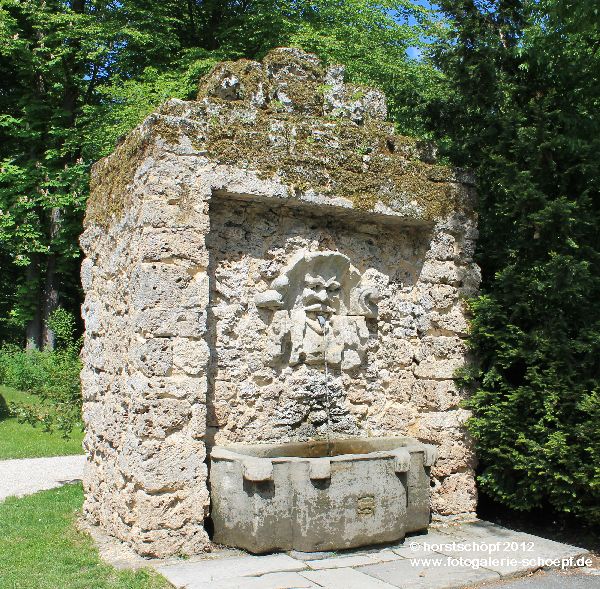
319, 307
321, 296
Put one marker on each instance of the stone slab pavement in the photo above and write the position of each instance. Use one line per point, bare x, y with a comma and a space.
447, 557
29, 475
551, 580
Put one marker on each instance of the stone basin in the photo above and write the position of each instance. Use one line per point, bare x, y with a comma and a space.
319, 495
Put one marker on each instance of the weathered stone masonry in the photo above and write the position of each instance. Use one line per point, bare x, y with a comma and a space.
209, 232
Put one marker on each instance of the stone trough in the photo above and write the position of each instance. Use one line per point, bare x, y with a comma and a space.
317, 496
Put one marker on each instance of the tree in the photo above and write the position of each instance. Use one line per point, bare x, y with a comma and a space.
523, 82
42, 187
54, 55
78, 74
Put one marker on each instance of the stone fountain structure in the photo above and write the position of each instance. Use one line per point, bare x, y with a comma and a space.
271, 264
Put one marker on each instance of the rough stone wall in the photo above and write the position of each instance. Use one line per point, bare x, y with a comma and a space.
144, 365
192, 230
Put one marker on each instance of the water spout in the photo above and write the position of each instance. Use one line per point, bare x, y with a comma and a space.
324, 323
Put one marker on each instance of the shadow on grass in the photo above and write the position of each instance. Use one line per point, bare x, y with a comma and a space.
4, 410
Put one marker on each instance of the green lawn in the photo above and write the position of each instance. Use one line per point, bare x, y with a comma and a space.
40, 548
21, 440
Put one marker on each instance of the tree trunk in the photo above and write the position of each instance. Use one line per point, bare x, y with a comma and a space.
50, 302
50, 294
33, 331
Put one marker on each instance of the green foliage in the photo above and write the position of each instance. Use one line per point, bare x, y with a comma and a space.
80, 74
372, 39
43, 183
523, 79
42, 548
369, 38
20, 369
51, 375
124, 103
63, 324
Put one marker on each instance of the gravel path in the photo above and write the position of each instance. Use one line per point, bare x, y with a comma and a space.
29, 475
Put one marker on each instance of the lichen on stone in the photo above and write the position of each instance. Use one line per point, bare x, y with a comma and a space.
232, 80
365, 164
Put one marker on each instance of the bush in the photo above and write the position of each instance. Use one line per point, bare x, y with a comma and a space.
23, 369
517, 112
62, 323
53, 375
536, 417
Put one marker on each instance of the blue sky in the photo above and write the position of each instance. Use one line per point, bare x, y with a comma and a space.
414, 52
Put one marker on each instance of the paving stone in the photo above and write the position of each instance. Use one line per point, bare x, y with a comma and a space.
510, 558
482, 531
381, 568
506, 551
345, 579
505, 563
550, 548
385, 555
416, 551
380, 552
192, 574
434, 537
268, 581
338, 562
418, 575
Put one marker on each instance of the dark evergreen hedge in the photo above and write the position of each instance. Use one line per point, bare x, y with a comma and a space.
522, 110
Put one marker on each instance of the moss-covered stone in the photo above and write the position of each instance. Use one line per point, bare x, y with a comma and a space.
111, 177
233, 80
274, 118
366, 164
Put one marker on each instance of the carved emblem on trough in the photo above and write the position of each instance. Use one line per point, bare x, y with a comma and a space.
319, 306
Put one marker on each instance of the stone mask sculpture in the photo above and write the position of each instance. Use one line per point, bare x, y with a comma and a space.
319, 309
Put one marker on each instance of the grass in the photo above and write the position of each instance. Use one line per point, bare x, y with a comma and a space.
21, 440
42, 549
